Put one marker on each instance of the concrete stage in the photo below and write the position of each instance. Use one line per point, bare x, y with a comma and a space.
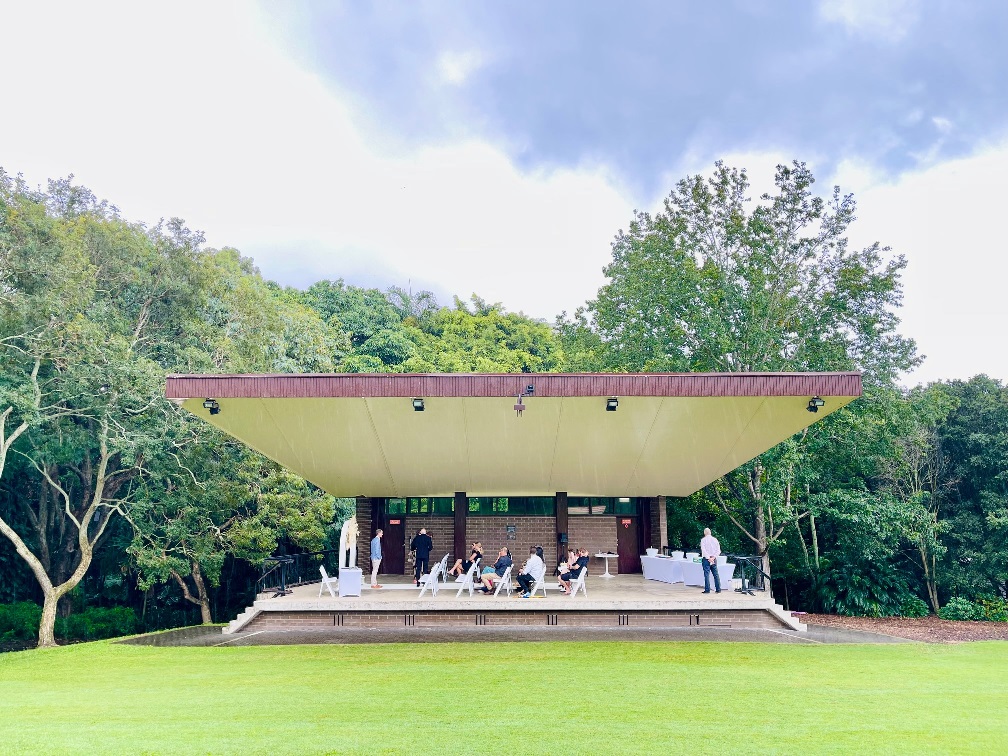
623, 601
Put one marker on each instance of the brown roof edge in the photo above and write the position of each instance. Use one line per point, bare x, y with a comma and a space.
357, 385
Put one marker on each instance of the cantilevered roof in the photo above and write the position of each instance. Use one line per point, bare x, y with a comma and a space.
359, 435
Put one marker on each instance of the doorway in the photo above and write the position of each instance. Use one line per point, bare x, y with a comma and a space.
628, 545
394, 546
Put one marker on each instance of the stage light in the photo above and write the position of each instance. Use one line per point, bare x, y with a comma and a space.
211, 404
418, 405
815, 403
529, 390
611, 404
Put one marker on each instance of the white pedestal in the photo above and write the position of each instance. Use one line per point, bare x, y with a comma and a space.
350, 579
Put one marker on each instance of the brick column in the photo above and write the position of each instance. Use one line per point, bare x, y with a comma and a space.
461, 513
561, 519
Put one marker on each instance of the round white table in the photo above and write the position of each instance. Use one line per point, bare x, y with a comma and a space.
607, 557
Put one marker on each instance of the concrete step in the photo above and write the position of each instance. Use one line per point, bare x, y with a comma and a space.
241, 620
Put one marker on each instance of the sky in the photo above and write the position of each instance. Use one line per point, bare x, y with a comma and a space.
497, 148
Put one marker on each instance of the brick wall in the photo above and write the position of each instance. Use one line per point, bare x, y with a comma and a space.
658, 618
531, 531
441, 530
597, 534
659, 523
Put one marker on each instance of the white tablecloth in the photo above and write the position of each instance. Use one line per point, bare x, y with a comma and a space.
350, 579
669, 570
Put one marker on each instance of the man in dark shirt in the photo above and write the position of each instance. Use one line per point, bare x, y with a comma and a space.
423, 546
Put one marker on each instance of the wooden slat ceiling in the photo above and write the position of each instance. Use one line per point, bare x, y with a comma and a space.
358, 435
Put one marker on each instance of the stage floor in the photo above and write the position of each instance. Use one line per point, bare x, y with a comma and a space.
618, 592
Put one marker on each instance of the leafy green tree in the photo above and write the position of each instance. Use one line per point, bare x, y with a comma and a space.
975, 438
709, 284
90, 303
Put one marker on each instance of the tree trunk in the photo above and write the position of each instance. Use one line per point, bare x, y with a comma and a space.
204, 598
47, 626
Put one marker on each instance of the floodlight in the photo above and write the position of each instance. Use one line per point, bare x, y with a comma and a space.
611, 404
815, 403
418, 405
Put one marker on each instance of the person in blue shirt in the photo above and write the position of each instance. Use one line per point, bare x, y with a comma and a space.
498, 570
375, 557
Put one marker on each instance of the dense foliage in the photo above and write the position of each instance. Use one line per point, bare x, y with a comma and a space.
111, 496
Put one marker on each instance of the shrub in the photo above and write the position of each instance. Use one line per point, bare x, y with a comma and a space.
865, 589
914, 607
96, 622
19, 621
961, 609
995, 609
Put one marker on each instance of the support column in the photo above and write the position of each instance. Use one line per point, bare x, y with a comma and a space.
561, 521
461, 512
662, 536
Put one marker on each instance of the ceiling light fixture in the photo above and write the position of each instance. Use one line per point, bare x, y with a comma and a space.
611, 404
418, 405
211, 404
815, 403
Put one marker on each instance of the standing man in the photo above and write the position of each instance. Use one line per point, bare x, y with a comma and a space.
710, 550
423, 546
375, 557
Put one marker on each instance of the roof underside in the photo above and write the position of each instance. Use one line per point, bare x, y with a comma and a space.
358, 435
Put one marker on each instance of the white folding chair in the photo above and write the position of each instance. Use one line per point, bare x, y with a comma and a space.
444, 568
504, 581
540, 585
327, 582
468, 582
578, 584
430, 581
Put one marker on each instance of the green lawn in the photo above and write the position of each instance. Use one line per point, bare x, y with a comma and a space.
483, 698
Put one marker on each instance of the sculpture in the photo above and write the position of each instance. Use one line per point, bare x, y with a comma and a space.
348, 543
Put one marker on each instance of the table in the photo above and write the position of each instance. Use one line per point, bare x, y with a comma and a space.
607, 556
686, 571
350, 579
665, 569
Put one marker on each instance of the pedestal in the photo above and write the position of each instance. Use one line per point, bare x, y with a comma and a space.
350, 579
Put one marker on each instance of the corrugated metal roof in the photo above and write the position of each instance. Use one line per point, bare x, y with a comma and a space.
360, 385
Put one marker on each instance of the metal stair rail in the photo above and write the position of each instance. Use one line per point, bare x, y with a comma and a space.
281, 572
750, 567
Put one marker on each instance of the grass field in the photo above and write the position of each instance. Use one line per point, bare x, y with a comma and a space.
447, 699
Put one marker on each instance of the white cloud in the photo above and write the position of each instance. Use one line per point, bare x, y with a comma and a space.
884, 20
455, 67
947, 220
207, 120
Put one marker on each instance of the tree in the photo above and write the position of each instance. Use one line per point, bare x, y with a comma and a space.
709, 285
89, 304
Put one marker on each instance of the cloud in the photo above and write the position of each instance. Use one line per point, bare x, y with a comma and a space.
885, 20
456, 67
261, 154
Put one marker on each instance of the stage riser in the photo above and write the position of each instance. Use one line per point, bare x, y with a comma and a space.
296, 620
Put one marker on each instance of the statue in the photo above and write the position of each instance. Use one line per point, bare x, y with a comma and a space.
348, 543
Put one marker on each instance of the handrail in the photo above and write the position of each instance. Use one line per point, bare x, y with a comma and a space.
754, 563
281, 572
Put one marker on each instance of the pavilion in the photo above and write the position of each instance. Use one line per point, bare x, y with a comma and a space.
513, 459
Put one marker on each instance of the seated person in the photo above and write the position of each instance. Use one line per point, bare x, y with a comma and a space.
531, 571
575, 570
461, 566
565, 564
490, 574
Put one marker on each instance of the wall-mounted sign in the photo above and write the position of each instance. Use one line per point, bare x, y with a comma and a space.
512, 532
626, 523
395, 522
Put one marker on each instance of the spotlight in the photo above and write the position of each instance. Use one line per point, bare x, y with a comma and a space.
529, 390
815, 403
611, 404
418, 405
211, 404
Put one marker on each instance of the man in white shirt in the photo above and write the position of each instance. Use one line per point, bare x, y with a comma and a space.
710, 550
533, 570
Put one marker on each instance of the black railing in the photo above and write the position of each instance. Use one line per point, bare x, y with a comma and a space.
750, 568
282, 572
